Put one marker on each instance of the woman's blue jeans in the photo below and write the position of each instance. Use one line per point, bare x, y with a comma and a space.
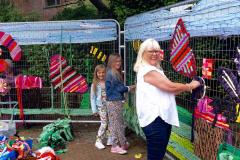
157, 135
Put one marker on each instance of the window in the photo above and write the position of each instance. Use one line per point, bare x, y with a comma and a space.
50, 3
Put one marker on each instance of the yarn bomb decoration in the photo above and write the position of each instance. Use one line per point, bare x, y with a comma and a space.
64, 77
181, 56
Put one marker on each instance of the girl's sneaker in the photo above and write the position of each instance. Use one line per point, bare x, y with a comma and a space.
99, 145
118, 150
109, 141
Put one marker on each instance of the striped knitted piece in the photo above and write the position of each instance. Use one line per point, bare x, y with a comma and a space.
221, 123
98, 54
181, 55
229, 82
7, 41
64, 77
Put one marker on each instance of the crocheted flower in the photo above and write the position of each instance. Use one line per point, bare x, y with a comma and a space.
4, 88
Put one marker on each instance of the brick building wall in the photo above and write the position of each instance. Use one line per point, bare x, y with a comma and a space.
45, 8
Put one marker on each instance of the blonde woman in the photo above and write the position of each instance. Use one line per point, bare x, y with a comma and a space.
155, 98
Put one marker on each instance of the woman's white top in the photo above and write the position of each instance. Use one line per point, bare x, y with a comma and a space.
152, 102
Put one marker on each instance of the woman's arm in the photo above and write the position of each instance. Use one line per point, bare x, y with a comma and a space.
121, 87
156, 79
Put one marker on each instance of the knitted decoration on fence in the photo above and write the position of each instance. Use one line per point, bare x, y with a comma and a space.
98, 54
3, 65
221, 123
203, 105
199, 92
136, 45
237, 60
25, 82
7, 41
207, 68
212, 114
230, 83
226, 107
181, 55
238, 113
64, 77
4, 87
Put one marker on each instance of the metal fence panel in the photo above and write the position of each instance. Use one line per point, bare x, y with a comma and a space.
71, 39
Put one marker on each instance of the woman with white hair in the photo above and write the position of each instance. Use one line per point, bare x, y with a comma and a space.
155, 98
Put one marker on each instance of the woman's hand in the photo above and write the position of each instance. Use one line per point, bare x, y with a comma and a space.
132, 87
194, 84
96, 114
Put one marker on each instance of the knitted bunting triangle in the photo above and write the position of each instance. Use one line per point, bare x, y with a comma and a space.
237, 60
98, 54
136, 45
64, 77
181, 55
7, 41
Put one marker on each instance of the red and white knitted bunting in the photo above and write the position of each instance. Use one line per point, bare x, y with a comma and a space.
64, 77
181, 55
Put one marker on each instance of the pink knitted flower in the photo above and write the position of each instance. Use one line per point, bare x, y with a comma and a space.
4, 88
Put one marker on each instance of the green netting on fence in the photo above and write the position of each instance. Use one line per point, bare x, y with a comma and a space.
183, 131
131, 119
181, 148
184, 115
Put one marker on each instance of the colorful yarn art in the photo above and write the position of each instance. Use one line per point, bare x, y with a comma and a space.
25, 82
181, 56
4, 88
3, 65
7, 41
65, 78
98, 54
136, 45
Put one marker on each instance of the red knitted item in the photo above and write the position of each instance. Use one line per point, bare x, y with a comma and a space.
3, 65
207, 68
7, 41
64, 77
181, 55
25, 82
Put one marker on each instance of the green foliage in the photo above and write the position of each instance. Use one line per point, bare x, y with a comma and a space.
121, 9
78, 12
125, 8
37, 58
10, 14
130, 116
